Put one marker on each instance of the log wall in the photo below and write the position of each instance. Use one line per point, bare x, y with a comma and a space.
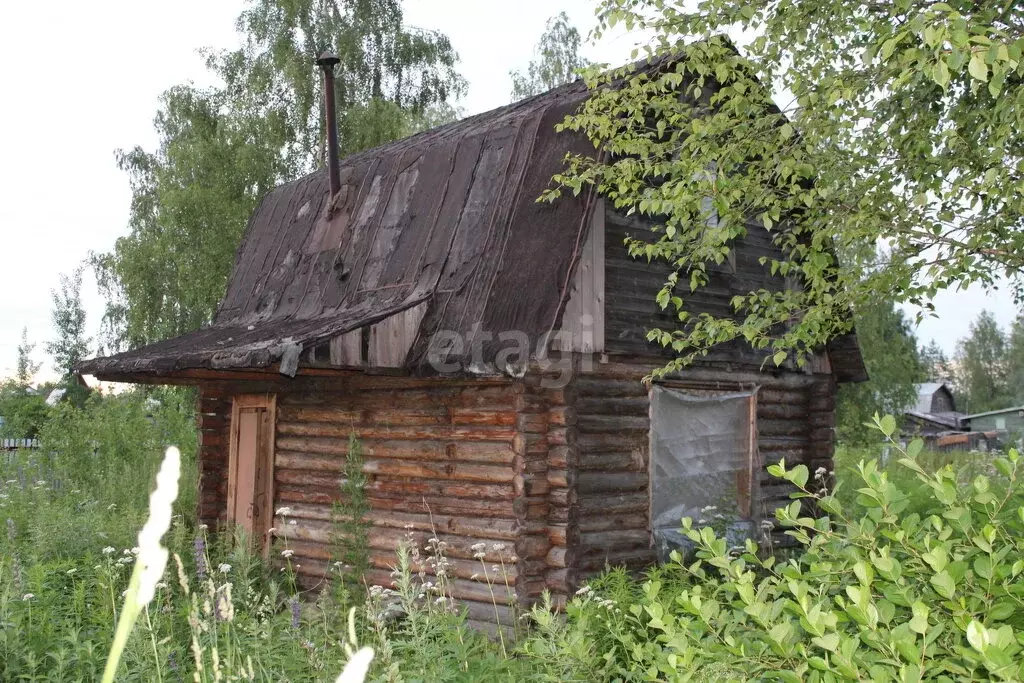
213, 415
551, 480
795, 421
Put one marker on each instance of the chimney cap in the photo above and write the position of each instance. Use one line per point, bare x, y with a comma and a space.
327, 59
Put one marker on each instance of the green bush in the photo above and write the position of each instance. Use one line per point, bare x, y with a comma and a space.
892, 595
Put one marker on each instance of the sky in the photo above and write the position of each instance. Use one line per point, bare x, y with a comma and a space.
82, 80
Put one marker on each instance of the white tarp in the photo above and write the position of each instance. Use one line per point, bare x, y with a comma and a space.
701, 464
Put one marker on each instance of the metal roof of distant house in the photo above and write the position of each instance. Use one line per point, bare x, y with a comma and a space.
925, 392
1001, 411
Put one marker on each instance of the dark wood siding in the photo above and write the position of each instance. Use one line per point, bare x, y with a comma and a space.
631, 286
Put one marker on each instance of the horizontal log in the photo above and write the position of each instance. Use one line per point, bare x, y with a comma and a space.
448, 471
593, 541
635, 461
563, 416
772, 444
616, 424
603, 443
477, 451
600, 386
558, 478
560, 581
635, 520
557, 534
613, 405
497, 529
558, 457
779, 396
561, 497
326, 534
440, 432
556, 557
612, 504
781, 411
532, 422
597, 563
400, 486
445, 505
601, 482
364, 389
771, 428
397, 413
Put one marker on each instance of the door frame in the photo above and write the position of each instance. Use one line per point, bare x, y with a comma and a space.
239, 402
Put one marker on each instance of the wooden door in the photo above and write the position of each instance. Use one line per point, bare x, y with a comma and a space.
251, 466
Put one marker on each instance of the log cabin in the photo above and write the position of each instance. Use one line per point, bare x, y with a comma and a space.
487, 351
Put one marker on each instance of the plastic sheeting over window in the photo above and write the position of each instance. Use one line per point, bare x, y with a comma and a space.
703, 463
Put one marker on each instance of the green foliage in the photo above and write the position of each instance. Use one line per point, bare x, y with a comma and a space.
890, 354
936, 366
982, 370
191, 199
914, 574
23, 409
351, 519
25, 368
221, 149
558, 60
71, 345
877, 592
897, 123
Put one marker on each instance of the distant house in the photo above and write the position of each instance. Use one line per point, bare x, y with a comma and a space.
934, 413
1010, 420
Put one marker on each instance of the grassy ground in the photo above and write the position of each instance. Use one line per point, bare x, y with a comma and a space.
72, 510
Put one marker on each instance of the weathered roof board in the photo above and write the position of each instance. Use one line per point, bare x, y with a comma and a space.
448, 217
445, 221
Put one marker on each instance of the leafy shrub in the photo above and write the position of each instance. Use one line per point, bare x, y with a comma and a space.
888, 595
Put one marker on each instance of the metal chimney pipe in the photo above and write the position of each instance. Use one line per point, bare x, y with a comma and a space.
326, 62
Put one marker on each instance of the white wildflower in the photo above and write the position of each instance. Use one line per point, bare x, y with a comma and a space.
152, 555
287, 552
584, 591
820, 473
292, 522
283, 511
203, 527
224, 568
112, 506
478, 547
272, 530
28, 596
108, 550
357, 667
41, 482
71, 571
160, 585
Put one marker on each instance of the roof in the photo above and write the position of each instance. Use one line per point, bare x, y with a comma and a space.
447, 218
925, 392
1001, 411
953, 420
